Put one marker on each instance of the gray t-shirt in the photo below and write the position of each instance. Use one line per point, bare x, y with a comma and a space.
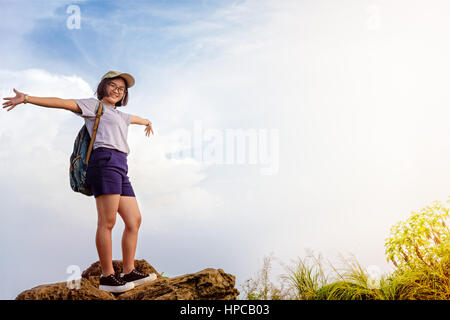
113, 126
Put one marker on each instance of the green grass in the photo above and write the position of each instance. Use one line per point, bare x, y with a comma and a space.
419, 247
308, 280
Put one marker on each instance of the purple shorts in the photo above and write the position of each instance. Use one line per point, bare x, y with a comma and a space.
107, 173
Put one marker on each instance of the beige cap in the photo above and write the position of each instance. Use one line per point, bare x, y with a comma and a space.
128, 77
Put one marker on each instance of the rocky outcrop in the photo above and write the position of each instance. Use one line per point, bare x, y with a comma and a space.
207, 284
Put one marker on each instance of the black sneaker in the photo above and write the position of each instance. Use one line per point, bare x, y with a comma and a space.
112, 283
137, 278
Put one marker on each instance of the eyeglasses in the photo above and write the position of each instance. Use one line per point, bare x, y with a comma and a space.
114, 87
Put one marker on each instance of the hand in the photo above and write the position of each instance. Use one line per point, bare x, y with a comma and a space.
149, 129
13, 101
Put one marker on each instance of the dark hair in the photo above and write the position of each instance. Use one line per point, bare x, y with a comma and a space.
101, 91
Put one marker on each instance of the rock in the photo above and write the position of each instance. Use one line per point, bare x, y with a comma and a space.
207, 284
60, 291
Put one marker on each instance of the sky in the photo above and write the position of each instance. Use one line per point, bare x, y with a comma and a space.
281, 128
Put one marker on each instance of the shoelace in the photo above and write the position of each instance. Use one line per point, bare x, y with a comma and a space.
134, 271
118, 281
139, 273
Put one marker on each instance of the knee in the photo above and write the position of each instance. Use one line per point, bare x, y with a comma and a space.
106, 223
134, 225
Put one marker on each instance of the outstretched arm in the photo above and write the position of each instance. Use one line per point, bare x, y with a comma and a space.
58, 103
147, 123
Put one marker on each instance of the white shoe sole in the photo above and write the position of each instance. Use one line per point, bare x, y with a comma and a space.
151, 277
125, 287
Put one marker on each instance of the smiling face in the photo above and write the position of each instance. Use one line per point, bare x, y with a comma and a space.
115, 90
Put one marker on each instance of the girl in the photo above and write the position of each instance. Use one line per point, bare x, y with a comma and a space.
107, 172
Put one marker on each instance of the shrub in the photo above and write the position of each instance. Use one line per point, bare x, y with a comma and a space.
422, 240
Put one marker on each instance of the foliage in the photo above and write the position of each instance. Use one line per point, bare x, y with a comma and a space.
262, 288
306, 280
352, 283
422, 239
419, 247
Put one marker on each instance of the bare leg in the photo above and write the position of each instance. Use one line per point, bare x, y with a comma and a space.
107, 207
131, 215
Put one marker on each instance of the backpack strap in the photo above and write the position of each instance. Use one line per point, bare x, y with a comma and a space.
94, 130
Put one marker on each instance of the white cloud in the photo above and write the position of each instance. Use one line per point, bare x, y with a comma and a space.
33, 157
362, 124
167, 186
